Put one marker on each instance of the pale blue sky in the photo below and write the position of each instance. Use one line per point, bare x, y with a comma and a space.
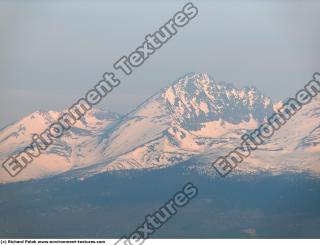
52, 52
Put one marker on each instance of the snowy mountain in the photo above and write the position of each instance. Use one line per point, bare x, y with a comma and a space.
74, 149
188, 118
193, 118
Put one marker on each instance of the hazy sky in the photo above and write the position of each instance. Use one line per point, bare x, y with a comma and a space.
51, 53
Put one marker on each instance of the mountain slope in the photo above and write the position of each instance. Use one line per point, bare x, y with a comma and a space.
76, 148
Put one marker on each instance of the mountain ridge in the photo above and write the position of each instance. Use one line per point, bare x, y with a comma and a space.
194, 117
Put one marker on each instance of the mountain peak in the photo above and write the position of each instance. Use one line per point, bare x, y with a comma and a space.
198, 79
196, 98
